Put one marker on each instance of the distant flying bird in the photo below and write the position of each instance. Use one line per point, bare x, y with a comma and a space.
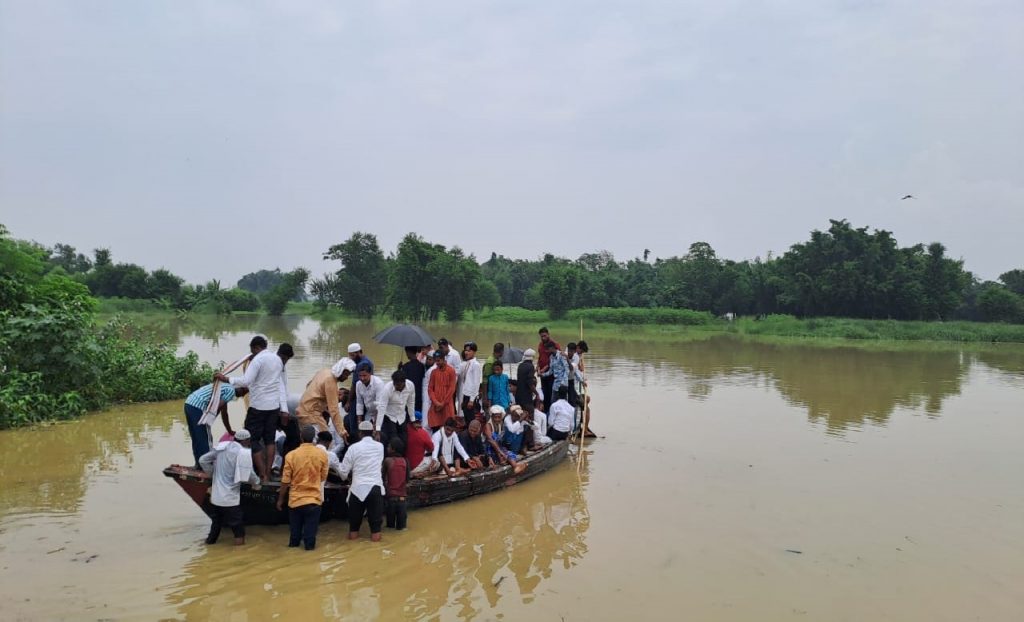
647, 253
909, 196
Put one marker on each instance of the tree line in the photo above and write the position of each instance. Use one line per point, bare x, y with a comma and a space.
845, 271
267, 289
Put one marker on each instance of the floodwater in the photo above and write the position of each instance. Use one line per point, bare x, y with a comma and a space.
736, 480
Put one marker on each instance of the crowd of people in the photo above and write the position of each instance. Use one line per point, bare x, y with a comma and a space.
442, 413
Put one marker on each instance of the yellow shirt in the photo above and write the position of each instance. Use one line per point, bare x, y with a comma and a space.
305, 469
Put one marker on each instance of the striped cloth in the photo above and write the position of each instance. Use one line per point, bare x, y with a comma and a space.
213, 406
200, 398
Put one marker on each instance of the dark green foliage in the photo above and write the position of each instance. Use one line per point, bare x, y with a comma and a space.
261, 281
427, 280
1014, 281
54, 363
359, 285
291, 285
999, 304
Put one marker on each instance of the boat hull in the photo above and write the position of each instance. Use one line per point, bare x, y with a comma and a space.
259, 506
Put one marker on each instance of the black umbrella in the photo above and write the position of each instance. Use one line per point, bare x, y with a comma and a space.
404, 335
512, 355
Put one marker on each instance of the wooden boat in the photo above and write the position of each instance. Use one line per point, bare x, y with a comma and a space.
260, 506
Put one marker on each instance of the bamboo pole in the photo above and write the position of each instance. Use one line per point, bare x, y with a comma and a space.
583, 415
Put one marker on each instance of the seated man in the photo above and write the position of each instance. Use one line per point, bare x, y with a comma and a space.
561, 417
446, 445
418, 450
537, 434
494, 432
473, 442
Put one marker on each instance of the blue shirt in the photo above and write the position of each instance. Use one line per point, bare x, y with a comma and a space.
200, 398
497, 390
560, 369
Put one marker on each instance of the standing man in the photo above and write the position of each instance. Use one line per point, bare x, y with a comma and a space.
559, 368
525, 374
367, 391
441, 391
365, 461
452, 357
305, 471
321, 398
543, 357
195, 406
231, 464
429, 363
470, 377
268, 399
414, 371
355, 353
396, 406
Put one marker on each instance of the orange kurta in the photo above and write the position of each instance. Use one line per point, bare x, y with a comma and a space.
442, 391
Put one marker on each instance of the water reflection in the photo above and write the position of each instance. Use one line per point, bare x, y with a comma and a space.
455, 561
46, 468
840, 387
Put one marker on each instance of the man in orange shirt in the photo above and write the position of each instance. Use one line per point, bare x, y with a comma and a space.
442, 392
305, 471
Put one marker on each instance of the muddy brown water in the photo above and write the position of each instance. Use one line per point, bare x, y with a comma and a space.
737, 480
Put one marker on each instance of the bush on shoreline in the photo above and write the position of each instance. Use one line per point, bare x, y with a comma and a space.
56, 364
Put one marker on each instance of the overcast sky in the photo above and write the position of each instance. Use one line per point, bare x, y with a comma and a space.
215, 138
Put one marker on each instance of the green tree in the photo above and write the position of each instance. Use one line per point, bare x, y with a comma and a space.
1014, 281
293, 284
999, 304
359, 285
559, 286
261, 281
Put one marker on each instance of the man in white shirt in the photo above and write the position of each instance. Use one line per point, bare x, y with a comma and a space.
368, 388
268, 399
451, 356
231, 464
325, 441
365, 461
470, 376
561, 417
446, 444
396, 407
426, 383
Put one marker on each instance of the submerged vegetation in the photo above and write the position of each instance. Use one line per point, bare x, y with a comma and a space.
55, 363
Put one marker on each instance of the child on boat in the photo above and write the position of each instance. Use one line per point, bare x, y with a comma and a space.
497, 387
396, 475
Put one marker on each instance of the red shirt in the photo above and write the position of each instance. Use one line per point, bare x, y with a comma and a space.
417, 445
395, 477
543, 356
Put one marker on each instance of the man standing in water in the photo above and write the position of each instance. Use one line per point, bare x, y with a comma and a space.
302, 481
547, 377
231, 464
365, 461
268, 399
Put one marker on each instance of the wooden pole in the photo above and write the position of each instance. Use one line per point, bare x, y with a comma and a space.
583, 414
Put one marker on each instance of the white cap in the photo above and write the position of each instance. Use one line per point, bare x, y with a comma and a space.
242, 435
366, 426
497, 410
529, 354
354, 347
344, 364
